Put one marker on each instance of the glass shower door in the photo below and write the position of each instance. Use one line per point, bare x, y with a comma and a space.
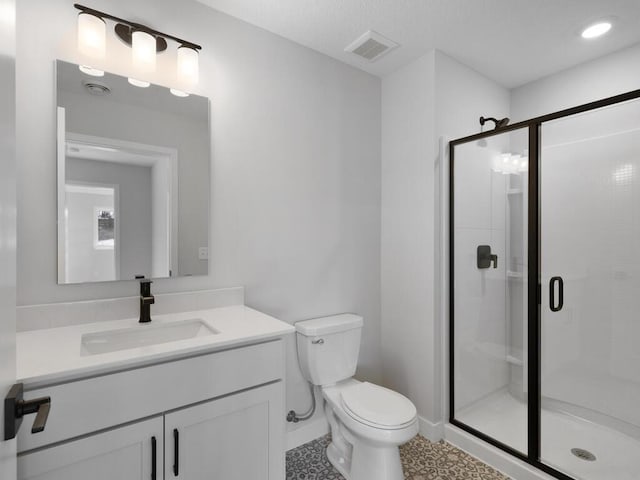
590, 280
489, 287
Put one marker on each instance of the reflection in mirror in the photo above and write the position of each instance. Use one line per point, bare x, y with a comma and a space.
133, 180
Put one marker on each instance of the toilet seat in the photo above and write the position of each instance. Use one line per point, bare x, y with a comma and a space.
377, 406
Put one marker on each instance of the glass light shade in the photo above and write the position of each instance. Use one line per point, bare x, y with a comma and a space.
92, 35
94, 72
178, 93
143, 50
188, 68
138, 83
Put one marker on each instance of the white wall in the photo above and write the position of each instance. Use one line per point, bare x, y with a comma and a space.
408, 146
463, 96
295, 181
607, 76
7, 222
434, 96
135, 208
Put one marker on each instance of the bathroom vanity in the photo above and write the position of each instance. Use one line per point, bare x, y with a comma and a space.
209, 404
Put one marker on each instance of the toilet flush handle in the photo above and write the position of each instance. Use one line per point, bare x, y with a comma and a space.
319, 341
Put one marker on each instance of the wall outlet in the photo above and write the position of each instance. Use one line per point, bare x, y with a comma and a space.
203, 253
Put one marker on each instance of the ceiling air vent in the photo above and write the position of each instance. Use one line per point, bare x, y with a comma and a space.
371, 46
96, 88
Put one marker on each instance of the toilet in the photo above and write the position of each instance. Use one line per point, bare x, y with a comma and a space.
368, 422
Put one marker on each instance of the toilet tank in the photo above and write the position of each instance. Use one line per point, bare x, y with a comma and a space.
328, 347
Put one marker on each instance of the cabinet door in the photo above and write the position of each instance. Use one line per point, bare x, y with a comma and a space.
237, 437
125, 453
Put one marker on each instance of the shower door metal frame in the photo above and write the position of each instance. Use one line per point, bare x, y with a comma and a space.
534, 292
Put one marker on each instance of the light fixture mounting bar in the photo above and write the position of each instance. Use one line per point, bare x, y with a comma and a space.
137, 26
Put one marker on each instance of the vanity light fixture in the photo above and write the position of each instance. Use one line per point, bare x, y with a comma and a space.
143, 51
188, 68
145, 43
92, 35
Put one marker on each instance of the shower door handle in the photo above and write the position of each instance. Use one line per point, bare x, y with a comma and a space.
552, 294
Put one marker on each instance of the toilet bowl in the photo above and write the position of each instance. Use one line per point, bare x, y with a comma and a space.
368, 422
374, 421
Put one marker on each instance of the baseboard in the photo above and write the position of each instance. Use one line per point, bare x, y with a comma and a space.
305, 432
433, 432
496, 458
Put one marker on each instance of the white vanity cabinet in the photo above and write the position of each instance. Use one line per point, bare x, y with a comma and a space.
228, 439
218, 415
124, 453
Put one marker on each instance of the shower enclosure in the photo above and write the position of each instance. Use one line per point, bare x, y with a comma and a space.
545, 289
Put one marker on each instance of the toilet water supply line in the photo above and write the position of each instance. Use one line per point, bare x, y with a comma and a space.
294, 417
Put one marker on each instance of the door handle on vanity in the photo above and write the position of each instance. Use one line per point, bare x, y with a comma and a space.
176, 452
154, 458
319, 341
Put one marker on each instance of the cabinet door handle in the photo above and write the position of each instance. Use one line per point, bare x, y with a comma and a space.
153, 458
176, 452
16, 407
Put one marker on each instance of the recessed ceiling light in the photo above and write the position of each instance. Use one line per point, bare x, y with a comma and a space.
596, 30
138, 83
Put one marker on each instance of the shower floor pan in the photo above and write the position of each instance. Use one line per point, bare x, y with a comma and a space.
504, 418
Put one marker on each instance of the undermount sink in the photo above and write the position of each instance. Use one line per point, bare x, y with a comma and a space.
143, 336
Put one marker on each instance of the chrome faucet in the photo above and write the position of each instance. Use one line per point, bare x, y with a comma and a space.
146, 300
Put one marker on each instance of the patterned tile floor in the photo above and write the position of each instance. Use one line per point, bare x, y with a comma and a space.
421, 460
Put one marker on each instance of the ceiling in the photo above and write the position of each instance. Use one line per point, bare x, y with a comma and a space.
511, 41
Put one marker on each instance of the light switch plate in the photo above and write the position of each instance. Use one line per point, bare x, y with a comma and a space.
203, 253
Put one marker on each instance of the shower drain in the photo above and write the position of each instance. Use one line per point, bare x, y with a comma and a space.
583, 454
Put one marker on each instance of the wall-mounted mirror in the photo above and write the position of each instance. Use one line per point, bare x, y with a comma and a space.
133, 179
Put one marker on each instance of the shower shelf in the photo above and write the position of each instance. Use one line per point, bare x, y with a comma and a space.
514, 360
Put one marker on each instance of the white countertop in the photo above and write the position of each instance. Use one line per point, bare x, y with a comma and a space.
53, 355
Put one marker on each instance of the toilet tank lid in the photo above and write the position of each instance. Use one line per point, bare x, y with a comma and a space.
331, 324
